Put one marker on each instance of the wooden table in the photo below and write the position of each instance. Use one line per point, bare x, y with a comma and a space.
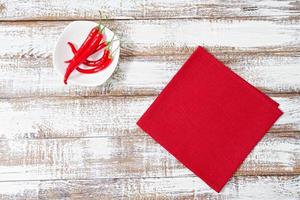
69, 142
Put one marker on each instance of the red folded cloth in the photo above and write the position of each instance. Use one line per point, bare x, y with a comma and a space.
209, 118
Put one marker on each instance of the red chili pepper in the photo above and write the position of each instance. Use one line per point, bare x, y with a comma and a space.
86, 62
96, 69
73, 48
100, 60
101, 46
83, 53
89, 39
106, 61
105, 54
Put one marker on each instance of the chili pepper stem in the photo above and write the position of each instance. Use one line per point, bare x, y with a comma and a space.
100, 18
108, 45
112, 53
101, 29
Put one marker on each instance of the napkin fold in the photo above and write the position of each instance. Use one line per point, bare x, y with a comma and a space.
209, 118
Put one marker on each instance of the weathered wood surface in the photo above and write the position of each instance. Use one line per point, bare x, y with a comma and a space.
241, 188
127, 157
59, 142
40, 118
168, 37
268, 58
54, 138
131, 9
36, 78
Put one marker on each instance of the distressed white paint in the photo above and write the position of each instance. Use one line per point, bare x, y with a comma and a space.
45, 136
27, 71
37, 39
133, 9
92, 117
125, 157
194, 32
137, 76
242, 188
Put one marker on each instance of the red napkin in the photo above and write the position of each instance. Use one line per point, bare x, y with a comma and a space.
209, 118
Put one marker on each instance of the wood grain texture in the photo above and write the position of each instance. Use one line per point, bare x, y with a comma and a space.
160, 37
127, 157
40, 118
133, 9
148, 63
59, 142
241, 188
55, 138
144, 76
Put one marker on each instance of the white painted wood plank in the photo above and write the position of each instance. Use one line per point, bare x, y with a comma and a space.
43, 139
240, 188
157, 37
126, 157
144, 76
35, 118
26, 68
128, 9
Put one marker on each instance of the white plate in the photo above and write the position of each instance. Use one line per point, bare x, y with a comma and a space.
76, 32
